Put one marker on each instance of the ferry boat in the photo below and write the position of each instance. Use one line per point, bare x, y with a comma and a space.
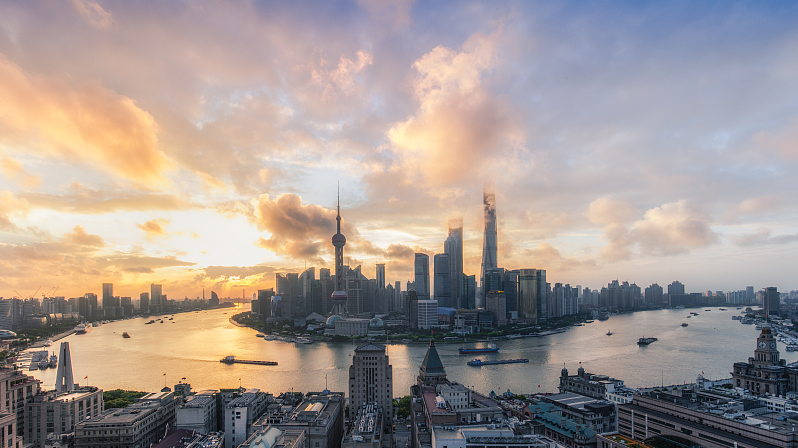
83, 328
489, 349
479, 362
646, 341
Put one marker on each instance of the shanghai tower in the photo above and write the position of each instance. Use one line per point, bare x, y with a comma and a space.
489, 240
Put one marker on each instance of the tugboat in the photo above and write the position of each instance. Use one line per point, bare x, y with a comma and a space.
646, 341
125, 335
53, 360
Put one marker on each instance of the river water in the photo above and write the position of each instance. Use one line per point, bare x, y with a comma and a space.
191, 345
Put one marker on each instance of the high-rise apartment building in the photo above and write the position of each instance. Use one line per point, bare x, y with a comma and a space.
489, 256
496, 303
371, 380
771, 301
157, 304
654, 295
427, 314
422, 276
675, 288
442, 283
144, 302
453, 246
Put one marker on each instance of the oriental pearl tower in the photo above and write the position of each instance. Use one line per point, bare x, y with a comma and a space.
339, 297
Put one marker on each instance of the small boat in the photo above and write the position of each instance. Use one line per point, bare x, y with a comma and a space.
684, 324
304, 340
609, 333
150, 322
125, 335
260, 335
48, 343
53, 360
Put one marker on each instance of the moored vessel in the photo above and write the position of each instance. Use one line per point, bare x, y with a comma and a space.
478, 362
646, 341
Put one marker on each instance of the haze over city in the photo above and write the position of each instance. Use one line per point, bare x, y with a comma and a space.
200, 145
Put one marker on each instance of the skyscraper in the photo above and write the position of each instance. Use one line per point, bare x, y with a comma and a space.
156, 298
528, 296
771, 301
489, 260
422, 276
381, 276
454, 247
443, 285
144, 302
108, 295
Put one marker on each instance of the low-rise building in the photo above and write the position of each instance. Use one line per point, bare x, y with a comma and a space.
588, 384
241, 413
138, 425
320, 415
57, 413
367, 429
198, 412
272, 437
599, 415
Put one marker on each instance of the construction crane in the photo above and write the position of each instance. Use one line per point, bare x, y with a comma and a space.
26, 297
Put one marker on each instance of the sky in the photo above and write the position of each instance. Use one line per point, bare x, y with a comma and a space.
201, 144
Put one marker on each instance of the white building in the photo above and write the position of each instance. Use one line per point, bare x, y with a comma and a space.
198, 413
427, 314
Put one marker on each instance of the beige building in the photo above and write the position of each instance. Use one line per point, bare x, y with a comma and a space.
371, 381
57, 413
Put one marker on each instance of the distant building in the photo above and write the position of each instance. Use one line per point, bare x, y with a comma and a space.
496, 303
654, 295
772, 301
453, 247
443, 284
489, 241
427, 314
421, 285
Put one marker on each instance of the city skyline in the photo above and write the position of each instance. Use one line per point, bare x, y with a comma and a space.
647, 143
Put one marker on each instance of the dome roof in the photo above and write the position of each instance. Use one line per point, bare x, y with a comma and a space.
376, 323
339, 296
332, 319
338, 239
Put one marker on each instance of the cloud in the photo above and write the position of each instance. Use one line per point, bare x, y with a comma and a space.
461, 129
80, 237
154, 229
546, 255
97, 16
9, 206
298, 230
241, 272
138, 270
763, 237
79, 123
80, 199
341, 79
14, 170
671, 229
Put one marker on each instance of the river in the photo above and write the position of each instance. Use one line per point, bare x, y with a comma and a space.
191, 345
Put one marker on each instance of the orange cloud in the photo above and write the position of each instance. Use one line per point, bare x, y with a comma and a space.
9, 205
80, 237
154, 228
14, 170
86, 123
460, 126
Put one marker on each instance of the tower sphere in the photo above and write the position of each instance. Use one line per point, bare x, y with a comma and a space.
338, 240
339, 297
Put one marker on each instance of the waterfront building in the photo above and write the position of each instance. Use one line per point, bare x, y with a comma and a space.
421, 269
240, 413
198, 412
427, 314
453, 247
139, 425
693, 422
598, 414
108, 294
653, 295
55, 413
496, 303
765, 372
772, 301
489, 242
371, 381
351, 326
531, 295
18, 390
588, 384
273, 437
320, 415
443, 284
